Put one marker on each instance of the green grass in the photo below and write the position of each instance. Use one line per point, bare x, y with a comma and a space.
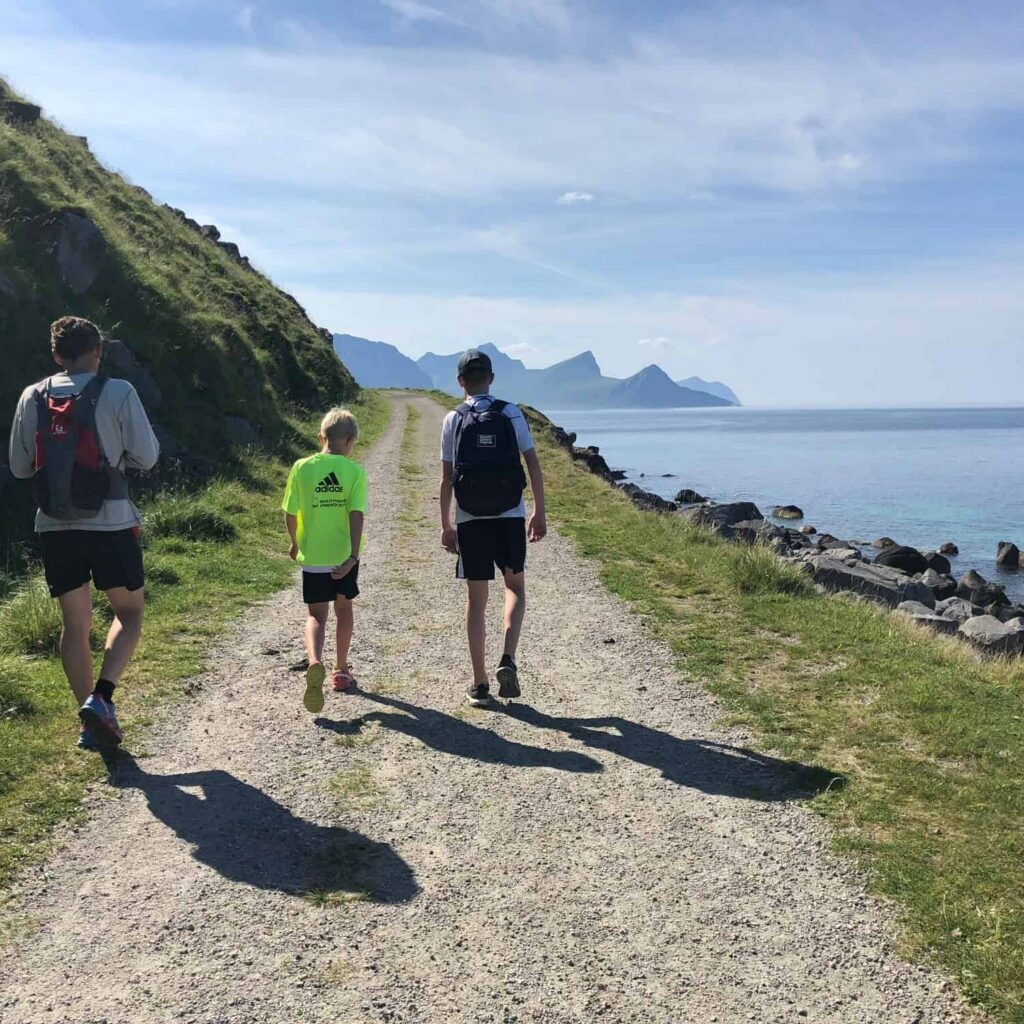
930, 739
191, 517
196, 587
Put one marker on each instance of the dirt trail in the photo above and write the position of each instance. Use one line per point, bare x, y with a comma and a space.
599, 850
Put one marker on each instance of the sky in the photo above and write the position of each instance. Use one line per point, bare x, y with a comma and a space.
819, 202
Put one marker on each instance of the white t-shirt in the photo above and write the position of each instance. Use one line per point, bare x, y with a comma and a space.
523, 437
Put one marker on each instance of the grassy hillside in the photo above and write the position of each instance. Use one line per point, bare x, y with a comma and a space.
218, 340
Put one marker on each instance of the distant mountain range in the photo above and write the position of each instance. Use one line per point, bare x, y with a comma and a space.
572, 384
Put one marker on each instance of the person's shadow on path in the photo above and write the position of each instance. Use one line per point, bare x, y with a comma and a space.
248, 837
711, 767
451, 735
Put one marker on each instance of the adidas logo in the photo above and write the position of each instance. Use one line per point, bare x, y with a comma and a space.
329, 485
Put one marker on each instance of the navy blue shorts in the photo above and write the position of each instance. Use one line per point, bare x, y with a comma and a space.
323, 588
486, 543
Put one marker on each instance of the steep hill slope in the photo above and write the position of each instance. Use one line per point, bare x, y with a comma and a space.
221, 352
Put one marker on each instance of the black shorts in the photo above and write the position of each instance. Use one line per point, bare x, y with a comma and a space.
323, 588
110, 558
486, 543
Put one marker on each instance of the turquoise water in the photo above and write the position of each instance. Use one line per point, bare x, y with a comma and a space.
920, 476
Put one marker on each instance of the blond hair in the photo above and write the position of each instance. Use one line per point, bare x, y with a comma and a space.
339, 425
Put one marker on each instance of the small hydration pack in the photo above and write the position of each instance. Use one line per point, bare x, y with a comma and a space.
488, 474
73, 477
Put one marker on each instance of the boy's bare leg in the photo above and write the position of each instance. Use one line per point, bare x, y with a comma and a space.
75, 653
316, 625
476, 626
515, 609
346, 622
123, 638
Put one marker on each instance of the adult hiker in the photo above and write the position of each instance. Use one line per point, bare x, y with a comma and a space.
74, 434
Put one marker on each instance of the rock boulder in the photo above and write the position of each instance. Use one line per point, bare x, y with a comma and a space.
949, 548
787, 512
938, 562
81, 251
992, 637
877, 582
688, 496
721, 518
901, 557
1008, 555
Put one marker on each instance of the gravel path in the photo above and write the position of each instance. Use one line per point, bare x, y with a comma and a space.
599, 850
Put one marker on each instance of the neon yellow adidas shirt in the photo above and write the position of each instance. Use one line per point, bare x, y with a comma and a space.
322, 489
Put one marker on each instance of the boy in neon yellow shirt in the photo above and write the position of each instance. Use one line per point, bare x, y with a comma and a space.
324, 503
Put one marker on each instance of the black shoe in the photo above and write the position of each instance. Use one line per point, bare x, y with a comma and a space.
508, 678
479, 693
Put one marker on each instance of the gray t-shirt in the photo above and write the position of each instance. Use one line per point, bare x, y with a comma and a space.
125, 436
523, 437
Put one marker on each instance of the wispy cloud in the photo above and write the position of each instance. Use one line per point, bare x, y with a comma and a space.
414, 11
573, 198
245, 17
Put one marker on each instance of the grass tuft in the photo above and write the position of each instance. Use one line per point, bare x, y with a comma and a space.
189, 518
756, 569
30, 621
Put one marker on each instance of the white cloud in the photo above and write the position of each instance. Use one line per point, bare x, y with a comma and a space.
244, 18
414, 11
572, 198
659, 342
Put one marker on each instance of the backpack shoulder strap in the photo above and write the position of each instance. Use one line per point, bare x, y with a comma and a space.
498, 405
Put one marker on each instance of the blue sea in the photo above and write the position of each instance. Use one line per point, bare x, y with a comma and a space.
920, 476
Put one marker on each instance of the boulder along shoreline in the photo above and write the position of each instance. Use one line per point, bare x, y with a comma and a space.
919, 585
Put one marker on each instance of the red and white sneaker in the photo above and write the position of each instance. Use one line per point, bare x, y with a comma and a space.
342, 680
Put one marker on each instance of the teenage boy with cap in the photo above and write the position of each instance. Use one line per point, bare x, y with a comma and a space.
481, 444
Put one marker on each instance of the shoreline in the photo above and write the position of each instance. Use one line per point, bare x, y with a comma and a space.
920, 584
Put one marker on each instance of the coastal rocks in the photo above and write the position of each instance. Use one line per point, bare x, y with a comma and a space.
884, 542
973, 587
688, 496
949, 548
879, 583
901, 557
1008, 555
808, 530
956, 609
942, 586
938, 562
563, 438
992, 637
592, 458
647, 499
922, 615
758, 531
721, 518
81, 251
787, 512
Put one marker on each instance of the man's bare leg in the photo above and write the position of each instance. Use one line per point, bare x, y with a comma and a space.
75, 652
125, 631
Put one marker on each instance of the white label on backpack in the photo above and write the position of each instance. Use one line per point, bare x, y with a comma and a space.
486, 440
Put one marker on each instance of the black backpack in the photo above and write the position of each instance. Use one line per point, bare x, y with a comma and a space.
73, 477
488, 474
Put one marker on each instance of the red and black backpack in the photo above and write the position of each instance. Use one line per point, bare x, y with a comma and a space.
73, 477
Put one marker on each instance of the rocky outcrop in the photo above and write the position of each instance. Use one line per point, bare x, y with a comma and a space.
592, 458
955, 608
688, 496
721, 518
992, 637
937, 562
808, 529
884, 542
120, 361
81, 250
973, 587
901, 557
922, 615
949, 548
8, 295
879, 583
20, 113
647, 499
942, 586
1008, 555
787, 512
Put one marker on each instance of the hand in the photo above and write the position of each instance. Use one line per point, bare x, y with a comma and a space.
450, 539
293, 551
339, 572
538, 528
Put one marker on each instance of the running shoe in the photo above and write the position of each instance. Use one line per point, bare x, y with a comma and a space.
313, 698
342, 680
98, 715
86, 739
479, 694
508, 677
